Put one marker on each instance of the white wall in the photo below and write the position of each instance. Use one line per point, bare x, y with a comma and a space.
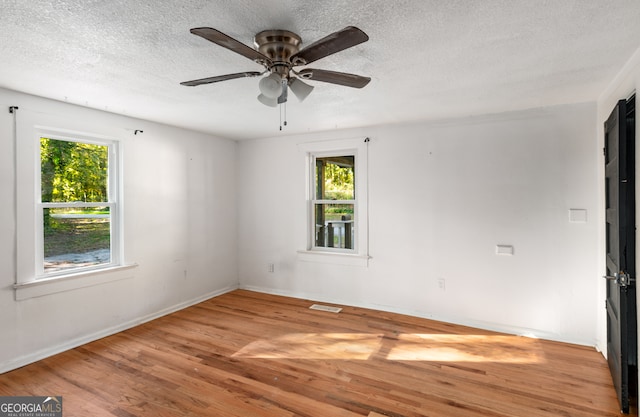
441, 197
180, 228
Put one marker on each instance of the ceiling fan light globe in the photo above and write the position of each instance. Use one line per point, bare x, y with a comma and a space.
300, 89
271, 86
267, 101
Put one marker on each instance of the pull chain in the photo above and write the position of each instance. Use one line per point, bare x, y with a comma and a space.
285, 114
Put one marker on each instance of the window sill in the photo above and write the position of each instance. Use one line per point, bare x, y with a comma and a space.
334, 258
69, 282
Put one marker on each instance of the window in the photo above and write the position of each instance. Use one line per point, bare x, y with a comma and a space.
337, 217
76, 207
334, 203
68, 204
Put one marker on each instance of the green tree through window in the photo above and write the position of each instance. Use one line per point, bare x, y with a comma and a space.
73, 171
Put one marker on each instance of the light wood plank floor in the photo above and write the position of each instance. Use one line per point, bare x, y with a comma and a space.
252, 354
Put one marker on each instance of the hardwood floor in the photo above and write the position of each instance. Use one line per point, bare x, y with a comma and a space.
252, 354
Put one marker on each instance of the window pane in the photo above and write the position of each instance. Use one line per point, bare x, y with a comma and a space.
73, 171
334, 226
76, 237
335, 178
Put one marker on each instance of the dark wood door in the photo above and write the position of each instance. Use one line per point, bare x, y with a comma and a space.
620, 246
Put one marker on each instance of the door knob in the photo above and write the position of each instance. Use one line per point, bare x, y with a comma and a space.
622, 279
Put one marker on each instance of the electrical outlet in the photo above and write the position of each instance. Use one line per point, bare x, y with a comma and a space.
270, 267
441, 284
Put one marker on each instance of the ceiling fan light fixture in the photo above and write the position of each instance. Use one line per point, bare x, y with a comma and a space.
271, 86
300, 89
267, 101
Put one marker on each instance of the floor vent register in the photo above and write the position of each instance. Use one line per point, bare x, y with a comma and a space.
325, 308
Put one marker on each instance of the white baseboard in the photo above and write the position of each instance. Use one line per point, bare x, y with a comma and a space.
53, 350
496, 327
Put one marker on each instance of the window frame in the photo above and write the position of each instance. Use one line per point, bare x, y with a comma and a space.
113, 202
359, 255
30, 126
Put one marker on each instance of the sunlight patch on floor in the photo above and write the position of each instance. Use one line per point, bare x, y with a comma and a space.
403, 347
466, 348
358, 346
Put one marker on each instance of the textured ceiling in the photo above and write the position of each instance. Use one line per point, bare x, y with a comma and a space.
427, 59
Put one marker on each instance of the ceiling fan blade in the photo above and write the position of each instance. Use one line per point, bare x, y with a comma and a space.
218, 78
228, 42
330, 44
341, 78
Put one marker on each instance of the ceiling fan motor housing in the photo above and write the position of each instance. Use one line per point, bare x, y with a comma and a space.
279, 46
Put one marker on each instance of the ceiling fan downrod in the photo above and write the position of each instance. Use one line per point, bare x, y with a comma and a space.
279, 46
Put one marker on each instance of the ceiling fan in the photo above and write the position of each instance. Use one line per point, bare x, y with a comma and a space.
279, 52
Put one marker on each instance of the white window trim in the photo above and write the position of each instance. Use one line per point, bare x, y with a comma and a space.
359, 255
30, 280
72, 281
